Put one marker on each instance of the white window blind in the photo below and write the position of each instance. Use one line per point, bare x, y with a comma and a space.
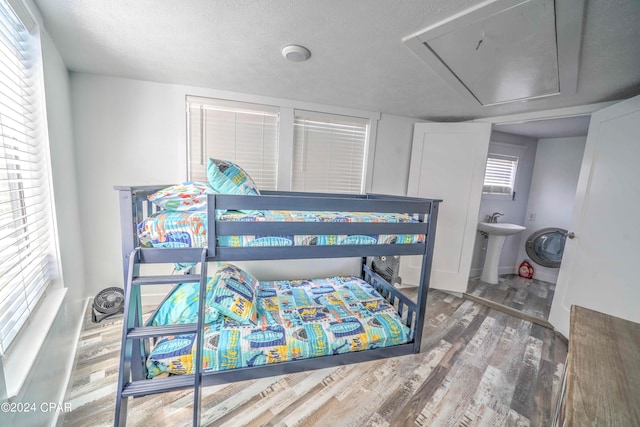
246, 134
28, 261
500, 174
328, 153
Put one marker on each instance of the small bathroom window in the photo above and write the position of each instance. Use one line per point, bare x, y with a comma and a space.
500, 174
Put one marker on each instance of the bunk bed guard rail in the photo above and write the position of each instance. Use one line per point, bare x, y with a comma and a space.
135, 206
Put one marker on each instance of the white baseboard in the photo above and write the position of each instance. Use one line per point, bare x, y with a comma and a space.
507, 270
454, 293
477, 272
545, 277
538, 275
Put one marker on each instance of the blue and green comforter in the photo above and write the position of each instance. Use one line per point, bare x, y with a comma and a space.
296, 320
189, 229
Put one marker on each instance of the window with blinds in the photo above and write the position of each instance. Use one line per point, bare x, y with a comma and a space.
246, 134
328, 153
28, 261
500, 174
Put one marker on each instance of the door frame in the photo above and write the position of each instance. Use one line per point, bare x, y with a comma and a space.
581, 110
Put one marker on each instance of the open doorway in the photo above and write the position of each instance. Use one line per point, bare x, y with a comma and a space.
549, 156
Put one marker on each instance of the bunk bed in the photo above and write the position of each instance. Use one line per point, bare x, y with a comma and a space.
220, 231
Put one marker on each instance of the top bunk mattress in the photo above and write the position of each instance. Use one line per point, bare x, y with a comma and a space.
173, 229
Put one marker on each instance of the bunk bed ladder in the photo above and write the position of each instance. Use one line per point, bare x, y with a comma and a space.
132, 380
197, 386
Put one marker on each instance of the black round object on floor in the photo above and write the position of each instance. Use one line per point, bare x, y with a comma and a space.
108, 302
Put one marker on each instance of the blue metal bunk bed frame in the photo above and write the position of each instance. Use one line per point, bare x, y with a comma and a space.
134, 207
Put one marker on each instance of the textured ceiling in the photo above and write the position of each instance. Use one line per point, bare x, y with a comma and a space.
358, 58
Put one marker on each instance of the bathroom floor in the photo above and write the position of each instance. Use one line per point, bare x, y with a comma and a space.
531, 297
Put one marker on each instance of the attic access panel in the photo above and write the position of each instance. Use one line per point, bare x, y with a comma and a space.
506, 50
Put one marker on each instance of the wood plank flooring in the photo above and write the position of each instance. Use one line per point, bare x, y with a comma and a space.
529, 296
478, 367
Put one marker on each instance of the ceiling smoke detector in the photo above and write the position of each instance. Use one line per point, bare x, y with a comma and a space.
296, 53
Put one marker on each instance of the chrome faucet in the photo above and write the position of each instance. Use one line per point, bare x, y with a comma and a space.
493, 218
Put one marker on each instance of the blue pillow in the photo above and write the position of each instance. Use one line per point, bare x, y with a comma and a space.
228, 178
182, 306
233, 293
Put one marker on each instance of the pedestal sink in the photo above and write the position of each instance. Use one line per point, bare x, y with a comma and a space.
498, 232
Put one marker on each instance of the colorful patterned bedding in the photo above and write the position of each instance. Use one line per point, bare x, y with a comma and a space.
189, 229
296, 320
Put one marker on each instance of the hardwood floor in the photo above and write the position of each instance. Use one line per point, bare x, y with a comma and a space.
478, 367
529, 296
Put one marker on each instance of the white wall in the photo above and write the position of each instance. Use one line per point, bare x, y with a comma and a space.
514, 210
63, 170
131, 132
553, 190
126, 133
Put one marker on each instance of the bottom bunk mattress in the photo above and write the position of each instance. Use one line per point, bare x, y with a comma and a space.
189, 229
295, 320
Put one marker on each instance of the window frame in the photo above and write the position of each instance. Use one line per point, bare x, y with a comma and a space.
515, 159
226, 107
339, 134
287, 109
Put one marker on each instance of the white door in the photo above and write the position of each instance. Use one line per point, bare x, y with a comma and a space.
600, 265
448, 161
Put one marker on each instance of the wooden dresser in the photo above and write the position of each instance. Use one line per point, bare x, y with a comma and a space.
601, 385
